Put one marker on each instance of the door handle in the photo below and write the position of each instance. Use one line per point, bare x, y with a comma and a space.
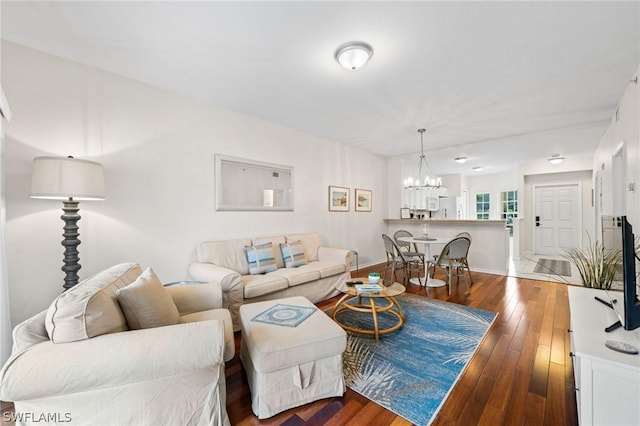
537, 220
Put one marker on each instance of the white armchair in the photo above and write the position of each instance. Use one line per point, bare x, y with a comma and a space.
164, 375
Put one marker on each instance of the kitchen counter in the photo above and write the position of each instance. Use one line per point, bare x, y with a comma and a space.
436, 220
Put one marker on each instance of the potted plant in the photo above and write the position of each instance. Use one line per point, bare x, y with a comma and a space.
597, 265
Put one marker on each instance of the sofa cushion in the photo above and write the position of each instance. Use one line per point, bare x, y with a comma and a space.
293, 254
310, 242
228, 254
275, 241
257, 285
91, 307
300, 275
146, 303
261, 258
327, 269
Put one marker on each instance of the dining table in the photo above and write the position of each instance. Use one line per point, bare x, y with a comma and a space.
426, 241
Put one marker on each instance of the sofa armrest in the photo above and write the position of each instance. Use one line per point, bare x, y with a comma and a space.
30, 332
190, 298
210, 273
230, 282
47, 369
328, 254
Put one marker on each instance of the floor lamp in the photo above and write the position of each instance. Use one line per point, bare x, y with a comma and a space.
70, 180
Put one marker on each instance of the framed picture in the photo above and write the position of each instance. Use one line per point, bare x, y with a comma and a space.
363, 200
338, 199
405, 213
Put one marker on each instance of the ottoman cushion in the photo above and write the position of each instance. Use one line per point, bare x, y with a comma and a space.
273, 347
290, 366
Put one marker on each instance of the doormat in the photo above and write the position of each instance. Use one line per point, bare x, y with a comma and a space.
555, 267
412, 371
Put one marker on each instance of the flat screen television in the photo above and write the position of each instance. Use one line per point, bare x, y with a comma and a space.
629, 311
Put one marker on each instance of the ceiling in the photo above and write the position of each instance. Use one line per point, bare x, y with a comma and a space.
502, 83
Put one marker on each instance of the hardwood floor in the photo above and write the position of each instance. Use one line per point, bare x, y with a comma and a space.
521, 374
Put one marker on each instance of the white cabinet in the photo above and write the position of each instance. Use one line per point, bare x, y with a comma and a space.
423, 198
607, 382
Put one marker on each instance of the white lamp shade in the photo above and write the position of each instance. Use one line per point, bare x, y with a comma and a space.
60, 178
354, 56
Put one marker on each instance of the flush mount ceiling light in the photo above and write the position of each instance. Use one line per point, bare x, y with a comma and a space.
555, 159
478, 168
354, 55
461, 160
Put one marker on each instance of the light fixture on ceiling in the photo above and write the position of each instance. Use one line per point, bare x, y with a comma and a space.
555, 159
422, 180
70, 180
478, 168
461, 160
354, 55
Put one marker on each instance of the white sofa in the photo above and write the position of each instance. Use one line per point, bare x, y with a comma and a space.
225, 262
162, 375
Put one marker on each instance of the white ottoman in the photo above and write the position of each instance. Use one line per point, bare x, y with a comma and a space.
290, 366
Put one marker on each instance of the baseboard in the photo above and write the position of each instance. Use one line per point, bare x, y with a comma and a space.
380, 262
490, 271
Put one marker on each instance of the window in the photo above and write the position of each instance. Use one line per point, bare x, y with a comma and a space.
509, 208
482, 206
509, 203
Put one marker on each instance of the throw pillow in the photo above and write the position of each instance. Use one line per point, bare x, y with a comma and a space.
91, 307
293, 254
261, 258
146, 303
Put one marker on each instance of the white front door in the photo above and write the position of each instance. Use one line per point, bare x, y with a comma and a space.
557, 218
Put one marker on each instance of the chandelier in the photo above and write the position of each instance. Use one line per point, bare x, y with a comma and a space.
422, 179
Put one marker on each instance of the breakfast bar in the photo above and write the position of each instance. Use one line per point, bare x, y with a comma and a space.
489, 250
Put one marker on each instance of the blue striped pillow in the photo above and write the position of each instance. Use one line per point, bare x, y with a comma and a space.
261, 258
293, 254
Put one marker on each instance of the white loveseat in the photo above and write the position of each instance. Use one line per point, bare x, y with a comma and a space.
225, 262
100, 373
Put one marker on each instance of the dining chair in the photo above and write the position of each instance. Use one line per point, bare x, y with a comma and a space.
464, 234
452, 259
397, 260
409, 249
464, 259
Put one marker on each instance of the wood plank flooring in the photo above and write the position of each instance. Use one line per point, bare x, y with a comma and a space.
521, 374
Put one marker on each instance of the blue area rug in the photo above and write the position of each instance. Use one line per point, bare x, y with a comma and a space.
411, 371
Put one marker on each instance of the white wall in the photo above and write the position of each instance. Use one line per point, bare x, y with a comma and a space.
395, 199
157, 149
494, 184
453, 183
624, 129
